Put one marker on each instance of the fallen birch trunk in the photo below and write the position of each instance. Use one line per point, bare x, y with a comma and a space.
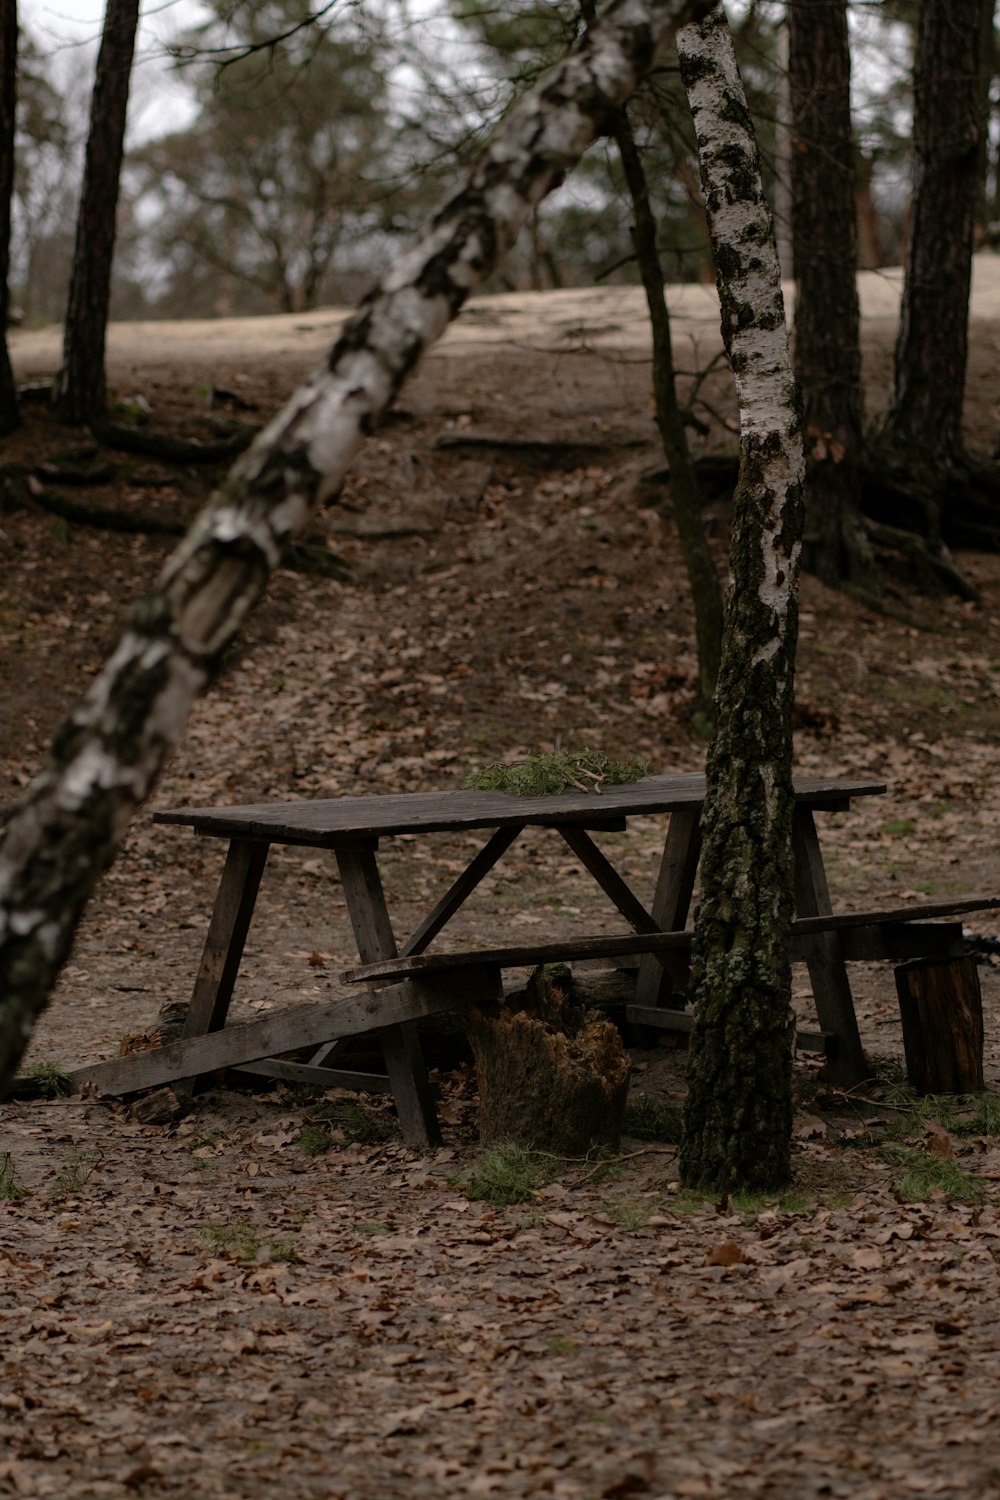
737, 1123
107, 756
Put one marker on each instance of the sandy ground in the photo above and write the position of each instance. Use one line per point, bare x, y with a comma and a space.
606, 318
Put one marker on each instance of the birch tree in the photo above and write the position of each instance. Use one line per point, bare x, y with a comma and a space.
107, 756
737, 1121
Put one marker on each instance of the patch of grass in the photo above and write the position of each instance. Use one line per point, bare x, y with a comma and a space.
559, 1345
11, 1190
899, 825
76, 1173
284, 1251
920, 1176
752, 1205
552, 771
313, 1140
651, 1120
47, 1080
506, 1173
240, 1240
630, 1216
688, 1201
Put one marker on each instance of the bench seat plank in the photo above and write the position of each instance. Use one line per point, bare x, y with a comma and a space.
894, 934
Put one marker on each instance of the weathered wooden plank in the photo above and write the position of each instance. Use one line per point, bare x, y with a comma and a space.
671, 904
366, 906
621, 945
285, 1030
824, 956
330, 820
662, 1018
463, 887
404, 1060
597, 864
327, 1078
227, 934
864, 937
891, 941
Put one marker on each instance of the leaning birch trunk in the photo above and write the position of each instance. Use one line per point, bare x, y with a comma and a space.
107, 756
737, 1122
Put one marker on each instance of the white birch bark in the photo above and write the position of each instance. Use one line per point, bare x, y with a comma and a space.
106, 758
738, 1115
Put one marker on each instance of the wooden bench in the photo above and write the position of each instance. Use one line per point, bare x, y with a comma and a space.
895, 935
408, 984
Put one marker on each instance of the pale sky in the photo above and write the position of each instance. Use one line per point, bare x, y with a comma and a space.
69, 31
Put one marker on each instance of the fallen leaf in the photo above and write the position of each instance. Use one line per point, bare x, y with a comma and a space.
727, 1254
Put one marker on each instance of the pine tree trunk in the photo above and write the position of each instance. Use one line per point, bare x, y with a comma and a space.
827, 316
8, 103
925, 423
106, 758
80, 392
737, 1122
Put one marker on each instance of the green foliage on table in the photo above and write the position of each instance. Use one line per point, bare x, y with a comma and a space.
551, 771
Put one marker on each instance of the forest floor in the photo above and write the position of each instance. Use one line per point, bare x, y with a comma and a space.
272, 1294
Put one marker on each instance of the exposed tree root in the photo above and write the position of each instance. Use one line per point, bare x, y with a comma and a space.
302, 557
176, 450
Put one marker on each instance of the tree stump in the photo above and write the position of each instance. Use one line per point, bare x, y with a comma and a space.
552, 1075
941, 1008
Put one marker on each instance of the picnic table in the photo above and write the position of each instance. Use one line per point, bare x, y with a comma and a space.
399, 982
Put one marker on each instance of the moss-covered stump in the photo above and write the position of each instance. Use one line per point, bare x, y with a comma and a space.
552, 1075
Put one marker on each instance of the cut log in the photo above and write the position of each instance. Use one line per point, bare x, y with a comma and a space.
551, 1075
941, 1009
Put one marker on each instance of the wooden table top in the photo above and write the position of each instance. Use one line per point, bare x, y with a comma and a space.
343, 820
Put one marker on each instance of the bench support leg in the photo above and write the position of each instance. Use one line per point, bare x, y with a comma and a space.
671, 902
824, 958
375, 939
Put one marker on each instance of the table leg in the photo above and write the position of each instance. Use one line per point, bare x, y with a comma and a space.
375, 939
824, 958
671, 902
227, 935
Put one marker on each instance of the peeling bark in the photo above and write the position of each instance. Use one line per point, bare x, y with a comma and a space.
106, 758
737, 1124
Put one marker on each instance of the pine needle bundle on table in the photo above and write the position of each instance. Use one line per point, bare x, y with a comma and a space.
549, 772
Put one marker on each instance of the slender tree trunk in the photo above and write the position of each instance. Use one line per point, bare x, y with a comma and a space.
80, 392
8, 102
685, 500
925, 423
987, 73
684, 497
827, 316
106, 758
737, 1121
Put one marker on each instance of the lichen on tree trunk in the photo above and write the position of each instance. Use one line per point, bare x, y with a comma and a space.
737, 1124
